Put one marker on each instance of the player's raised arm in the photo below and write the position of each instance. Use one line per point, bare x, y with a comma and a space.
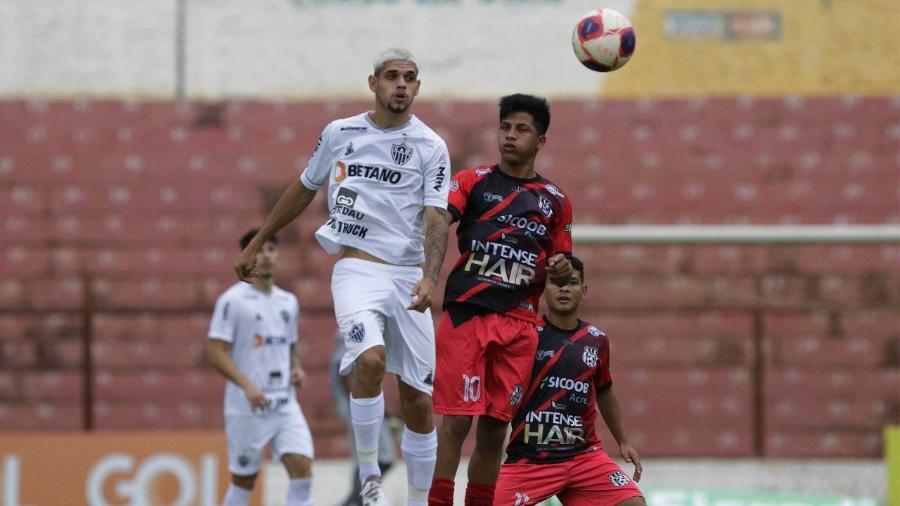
292, 202
611, 412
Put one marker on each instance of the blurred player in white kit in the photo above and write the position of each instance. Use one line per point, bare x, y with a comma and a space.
252, 338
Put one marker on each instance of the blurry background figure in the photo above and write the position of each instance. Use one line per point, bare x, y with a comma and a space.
340, 388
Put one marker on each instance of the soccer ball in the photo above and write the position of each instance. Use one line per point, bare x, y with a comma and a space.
603, 40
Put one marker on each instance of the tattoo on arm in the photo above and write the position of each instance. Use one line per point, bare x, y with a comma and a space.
436, 231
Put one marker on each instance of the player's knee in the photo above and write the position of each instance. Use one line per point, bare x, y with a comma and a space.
297, 466
491, 434
245, 482
456, 427
371, 363
415, 403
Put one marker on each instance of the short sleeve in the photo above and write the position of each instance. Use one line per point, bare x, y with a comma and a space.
437, 177
562, 229
460, 187
318, 169
603, 376
224, 320
293, 332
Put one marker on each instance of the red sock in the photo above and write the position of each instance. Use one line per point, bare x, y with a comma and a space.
441, 493
479, 494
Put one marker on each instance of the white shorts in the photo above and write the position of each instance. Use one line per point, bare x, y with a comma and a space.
248, 434
370, 301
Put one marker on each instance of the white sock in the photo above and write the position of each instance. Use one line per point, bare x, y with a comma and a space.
420, 455
367, 416
299, 492
237, 496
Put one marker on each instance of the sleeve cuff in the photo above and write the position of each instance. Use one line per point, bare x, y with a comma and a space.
436, 202
307, 183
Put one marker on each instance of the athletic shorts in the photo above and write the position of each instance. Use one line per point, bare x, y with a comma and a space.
370, 305
247, 435
483, 363
589, 479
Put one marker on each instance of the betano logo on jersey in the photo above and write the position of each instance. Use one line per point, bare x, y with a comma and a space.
514, 266
260, 340
553, 428
343, 171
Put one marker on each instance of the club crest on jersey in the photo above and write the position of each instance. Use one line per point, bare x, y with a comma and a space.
285, 316
546, 206
454, 185
349, 150
589, 355
401, 153
516, 396
357, 333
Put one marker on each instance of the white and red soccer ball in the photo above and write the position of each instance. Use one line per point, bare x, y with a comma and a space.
603, 40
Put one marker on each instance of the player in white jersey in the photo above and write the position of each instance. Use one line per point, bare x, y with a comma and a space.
252, 337
388, 177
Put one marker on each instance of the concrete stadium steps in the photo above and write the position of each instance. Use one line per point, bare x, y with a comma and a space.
148, 199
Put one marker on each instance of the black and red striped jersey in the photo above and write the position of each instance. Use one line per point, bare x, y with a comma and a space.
508, 228
556, 420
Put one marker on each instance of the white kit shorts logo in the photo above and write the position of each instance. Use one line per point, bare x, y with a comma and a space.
357, 333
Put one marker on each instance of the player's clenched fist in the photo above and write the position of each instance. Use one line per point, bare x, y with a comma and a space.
257, 399
559, 269
245, 265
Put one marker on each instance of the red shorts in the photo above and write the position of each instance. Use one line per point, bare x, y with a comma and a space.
590, 479
483, 365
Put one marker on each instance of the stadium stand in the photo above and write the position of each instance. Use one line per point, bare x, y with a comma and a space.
149, 221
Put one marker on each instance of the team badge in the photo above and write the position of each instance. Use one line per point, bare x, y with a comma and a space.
357, 333
589, 355
429, 379
243, 460
516, 396
285, 316
454, 185
349, 150
619, 479
401, 153
546, 206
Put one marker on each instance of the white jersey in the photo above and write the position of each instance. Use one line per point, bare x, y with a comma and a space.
261, 329
379, 182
